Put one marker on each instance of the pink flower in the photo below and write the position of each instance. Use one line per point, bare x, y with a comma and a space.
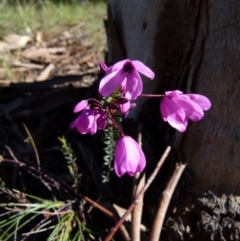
104, 68
126, 74
125, 107
129, 157
123, 104
90, 119
177, 108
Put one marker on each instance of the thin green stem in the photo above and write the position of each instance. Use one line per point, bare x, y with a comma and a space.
115, 124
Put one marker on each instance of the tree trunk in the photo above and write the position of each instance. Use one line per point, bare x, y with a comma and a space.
193, 46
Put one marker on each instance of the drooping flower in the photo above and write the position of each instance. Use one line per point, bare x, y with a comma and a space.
125, 107
90, 119
124, 74
129, 157
123, 104
177, 108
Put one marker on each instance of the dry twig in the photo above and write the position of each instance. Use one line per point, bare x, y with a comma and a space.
138, 184
164, 202
149, 181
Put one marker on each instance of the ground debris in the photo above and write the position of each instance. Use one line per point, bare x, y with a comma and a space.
175, 229
208, 218
24, 59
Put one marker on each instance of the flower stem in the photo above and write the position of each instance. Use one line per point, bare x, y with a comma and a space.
96, 101
151, 96
115, 124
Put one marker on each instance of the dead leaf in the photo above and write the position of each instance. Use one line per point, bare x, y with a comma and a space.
57, 50
35, 53
19, 41
46, 55
14, 41
40, 39
26, 65
46, 73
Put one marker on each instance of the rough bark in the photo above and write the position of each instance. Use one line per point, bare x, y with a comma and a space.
212, 218
193, 46
211, 146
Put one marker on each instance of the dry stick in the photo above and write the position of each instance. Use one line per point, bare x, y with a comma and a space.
138, 184
149, 181
164, 202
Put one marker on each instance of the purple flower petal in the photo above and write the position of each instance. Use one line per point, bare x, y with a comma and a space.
128, 157
133, 86
74, 123
143, 69
118, 74
124, 115
124, 107
119, 65
123, 100
111, 82
94, 125
101, 120
177, 108
85, 121
133, 105
173, 114
80, 106
192, 110
201, 100
90, 120
103, 66
82, 130
173, 93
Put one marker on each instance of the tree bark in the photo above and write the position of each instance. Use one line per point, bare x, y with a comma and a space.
193, 46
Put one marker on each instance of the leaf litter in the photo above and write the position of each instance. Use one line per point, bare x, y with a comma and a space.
26, 59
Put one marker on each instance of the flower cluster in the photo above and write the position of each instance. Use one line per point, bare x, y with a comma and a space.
92, 117
121, 85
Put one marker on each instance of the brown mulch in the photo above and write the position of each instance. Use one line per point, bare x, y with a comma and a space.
25, 59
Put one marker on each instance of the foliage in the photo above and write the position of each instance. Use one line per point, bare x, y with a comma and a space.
25, 215
71, 162
55, 217
109, 143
